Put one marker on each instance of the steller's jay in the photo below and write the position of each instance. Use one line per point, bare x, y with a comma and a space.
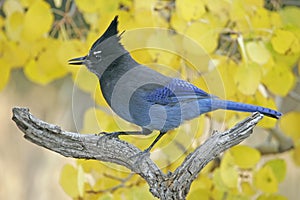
145, 97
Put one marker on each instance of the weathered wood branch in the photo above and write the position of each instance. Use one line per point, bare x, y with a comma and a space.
174, 185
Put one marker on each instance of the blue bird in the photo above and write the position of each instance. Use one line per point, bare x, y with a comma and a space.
146, 97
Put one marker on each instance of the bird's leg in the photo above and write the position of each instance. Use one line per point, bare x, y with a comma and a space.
154, 142
143, 132
118, 133
147, 151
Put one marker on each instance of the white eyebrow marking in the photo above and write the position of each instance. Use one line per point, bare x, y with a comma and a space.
97, 52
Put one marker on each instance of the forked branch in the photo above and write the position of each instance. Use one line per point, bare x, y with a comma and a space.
174, 185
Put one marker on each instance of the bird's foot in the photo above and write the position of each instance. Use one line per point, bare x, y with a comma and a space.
101, 133
140, 155
111, 135
108, 135
114, 134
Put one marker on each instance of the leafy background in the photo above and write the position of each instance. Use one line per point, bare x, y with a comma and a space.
253, 49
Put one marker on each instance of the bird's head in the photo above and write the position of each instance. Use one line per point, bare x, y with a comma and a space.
103, 52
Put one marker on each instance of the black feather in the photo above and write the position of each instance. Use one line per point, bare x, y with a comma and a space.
112, 30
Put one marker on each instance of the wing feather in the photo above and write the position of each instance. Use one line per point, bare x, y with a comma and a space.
177, 91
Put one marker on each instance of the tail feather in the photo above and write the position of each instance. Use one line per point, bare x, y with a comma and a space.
231, 105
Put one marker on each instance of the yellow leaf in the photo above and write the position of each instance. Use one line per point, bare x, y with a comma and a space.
296, 155
69, 180
299, 67
267, 102
2, 21
190, 9
37, 21
91, 122
218, 7
88, 6
214, 83
247, 188
285, 42
257, 52
5, 73
228, 171
201, 187
10, 7
98, 97
285, 76
14, 26
289, 124
139, 192
205, 36
71, 49
15, 54
226, 68
26, 3
89, 166
47, 67
203, 193
247, 78
271, 197
203, 182
265, 180
289, 15
162, 48
85, 80
276, 19
178, 23
237, 12
104, 183
245, 157
253, 4
80, 180
279, 168
218, 180
96, 120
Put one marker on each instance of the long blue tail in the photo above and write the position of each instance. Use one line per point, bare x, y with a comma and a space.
231, 105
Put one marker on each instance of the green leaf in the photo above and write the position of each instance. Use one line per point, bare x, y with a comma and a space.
289, 15
279, 168
265, 180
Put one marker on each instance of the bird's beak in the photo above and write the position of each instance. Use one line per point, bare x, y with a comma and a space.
77, 61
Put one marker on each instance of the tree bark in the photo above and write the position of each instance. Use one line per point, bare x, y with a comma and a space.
174, 185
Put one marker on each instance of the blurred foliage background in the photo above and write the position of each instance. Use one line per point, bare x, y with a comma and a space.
245, 51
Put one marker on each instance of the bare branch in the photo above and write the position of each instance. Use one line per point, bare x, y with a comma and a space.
109, 149
281, 144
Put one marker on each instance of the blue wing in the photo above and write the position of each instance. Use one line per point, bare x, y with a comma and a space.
177, 90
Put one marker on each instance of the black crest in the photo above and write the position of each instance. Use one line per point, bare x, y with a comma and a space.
112, 30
